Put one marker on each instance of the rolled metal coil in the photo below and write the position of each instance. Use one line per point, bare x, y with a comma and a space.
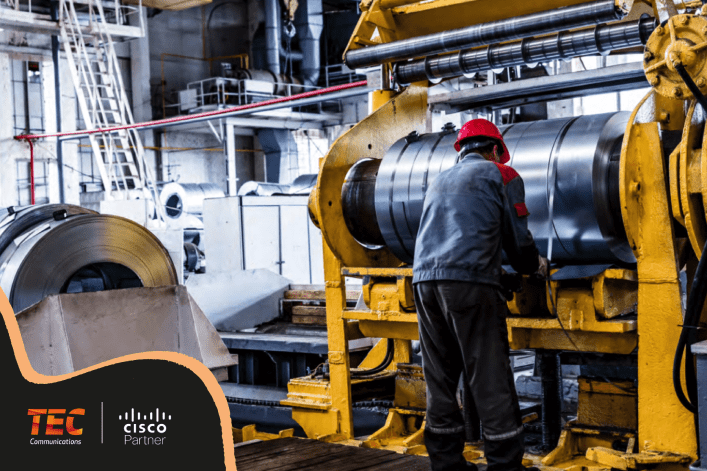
44, 258
187, 198
579, 157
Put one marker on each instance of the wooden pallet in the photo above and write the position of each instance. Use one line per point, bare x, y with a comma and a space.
315, 293
285, 454
306, 304
312, 315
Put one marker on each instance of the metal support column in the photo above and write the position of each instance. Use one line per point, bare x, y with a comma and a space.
57, 98
231, 159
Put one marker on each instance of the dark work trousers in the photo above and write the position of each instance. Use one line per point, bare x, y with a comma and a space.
463, 329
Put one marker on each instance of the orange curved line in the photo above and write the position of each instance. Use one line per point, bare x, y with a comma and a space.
198, 368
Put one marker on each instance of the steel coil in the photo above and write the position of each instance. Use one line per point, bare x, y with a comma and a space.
576, 158
73, 251
187, 198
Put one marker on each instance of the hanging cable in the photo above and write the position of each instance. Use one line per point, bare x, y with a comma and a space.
387, 360
695, 300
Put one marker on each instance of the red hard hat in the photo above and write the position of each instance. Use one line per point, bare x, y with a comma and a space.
482, 128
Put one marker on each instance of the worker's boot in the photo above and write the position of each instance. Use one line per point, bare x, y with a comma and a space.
445, 452
505, 455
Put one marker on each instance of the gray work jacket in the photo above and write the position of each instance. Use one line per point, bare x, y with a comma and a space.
471, 213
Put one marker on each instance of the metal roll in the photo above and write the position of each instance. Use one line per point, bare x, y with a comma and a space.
587, 226
600, 39
575, 158
82, 252
406, 172
552, 21
13, 225
358, 203
187, 198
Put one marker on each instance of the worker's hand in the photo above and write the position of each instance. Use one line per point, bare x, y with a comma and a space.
543, 267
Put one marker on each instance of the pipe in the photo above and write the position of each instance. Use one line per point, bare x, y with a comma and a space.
272, 35
294, 55
560, 19
315, 96
309, 21
57, 100
565, 45
31, 171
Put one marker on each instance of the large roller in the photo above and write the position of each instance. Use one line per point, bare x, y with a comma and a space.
53, 249
382, 199
601, 39
181, 199
560, 19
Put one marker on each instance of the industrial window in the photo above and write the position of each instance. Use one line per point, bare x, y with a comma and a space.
28, 114
28, 98
41, 182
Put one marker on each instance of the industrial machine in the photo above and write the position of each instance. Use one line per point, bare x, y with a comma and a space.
616, 201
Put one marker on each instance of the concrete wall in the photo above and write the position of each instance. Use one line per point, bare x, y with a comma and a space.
44, 150
190, 157
215, 30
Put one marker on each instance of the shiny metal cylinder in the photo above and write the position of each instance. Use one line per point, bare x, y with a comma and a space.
576, 162
565, 45
46, 256
573, 160
546, 22
407, 170
359, 204
181, 199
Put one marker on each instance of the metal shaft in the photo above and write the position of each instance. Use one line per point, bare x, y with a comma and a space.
552, 21
565, 45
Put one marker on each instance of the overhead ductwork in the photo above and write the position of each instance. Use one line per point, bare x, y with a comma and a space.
280, 151
309, 22
272, 35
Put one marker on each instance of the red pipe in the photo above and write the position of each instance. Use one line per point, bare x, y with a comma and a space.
177, 119
30, 137
31, 171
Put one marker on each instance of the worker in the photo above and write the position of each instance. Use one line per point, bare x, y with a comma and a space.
471, 212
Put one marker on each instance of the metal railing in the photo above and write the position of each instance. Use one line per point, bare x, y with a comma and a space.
221, 92
115, 12
338, 74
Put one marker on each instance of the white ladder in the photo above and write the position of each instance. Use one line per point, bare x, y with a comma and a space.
95, 73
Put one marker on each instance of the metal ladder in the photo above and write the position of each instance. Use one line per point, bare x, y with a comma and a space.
95, 73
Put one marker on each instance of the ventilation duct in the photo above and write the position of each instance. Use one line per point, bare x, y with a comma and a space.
280, 151
309, 22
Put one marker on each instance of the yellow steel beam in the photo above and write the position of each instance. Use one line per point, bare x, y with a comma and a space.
340, 381
412, 19
663, 423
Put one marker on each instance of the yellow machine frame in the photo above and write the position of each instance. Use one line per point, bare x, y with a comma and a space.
656, 192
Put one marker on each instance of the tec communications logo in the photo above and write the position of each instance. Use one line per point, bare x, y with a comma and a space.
54, 423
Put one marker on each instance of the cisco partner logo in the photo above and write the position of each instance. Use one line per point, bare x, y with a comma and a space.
53, 423
145, 429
